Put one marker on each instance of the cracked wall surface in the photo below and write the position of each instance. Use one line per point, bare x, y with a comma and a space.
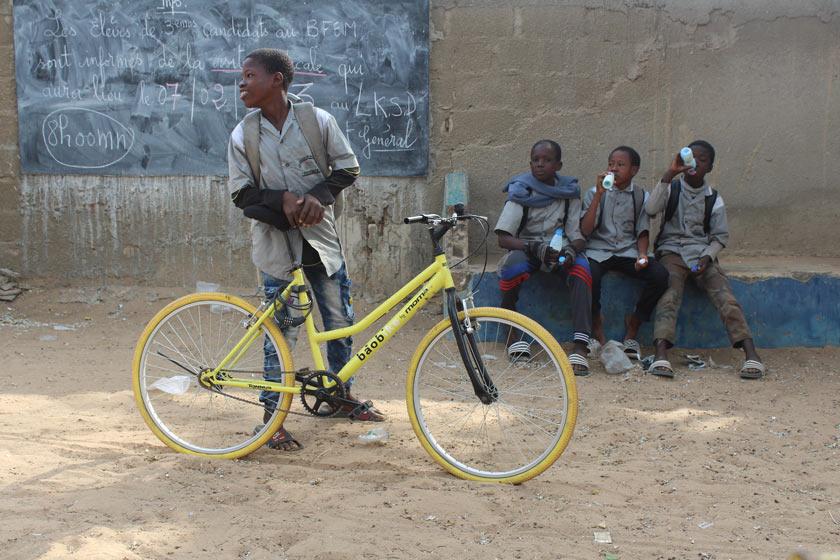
758, 79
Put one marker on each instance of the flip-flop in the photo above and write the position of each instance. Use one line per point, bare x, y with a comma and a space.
632, 349
578, 360
662, 368
519, 351
752, 369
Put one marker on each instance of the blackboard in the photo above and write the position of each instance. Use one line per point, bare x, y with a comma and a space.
150, 87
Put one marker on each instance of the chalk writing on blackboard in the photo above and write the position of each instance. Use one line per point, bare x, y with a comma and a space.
149, 87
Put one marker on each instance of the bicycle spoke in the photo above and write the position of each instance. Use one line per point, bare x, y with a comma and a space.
514, 433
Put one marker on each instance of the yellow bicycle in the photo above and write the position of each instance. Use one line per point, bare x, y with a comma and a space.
481, 412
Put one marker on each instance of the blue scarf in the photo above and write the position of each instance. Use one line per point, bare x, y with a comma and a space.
527, 190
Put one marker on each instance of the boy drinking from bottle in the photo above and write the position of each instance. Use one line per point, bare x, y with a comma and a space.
616, 227
694, 230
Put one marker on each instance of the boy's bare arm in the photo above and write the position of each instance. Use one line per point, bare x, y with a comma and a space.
659, 196
587, 223
509, 242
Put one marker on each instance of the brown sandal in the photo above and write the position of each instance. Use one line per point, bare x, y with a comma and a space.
283, 440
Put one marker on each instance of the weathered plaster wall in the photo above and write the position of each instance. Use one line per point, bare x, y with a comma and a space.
758, 78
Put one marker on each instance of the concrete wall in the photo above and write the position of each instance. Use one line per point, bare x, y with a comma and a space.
760, 79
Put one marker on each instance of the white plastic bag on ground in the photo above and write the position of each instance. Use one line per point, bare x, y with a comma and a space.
614, 359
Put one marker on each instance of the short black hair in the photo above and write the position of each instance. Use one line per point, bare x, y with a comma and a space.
706, 146
275, 60
558, 152
635, 159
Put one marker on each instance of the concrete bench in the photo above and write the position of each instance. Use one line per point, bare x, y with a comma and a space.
787, 302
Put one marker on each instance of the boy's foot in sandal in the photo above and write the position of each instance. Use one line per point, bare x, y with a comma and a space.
752, 369
282, 440
631, 331
580, 364
662, 368
632, 349
519, 351
361, 411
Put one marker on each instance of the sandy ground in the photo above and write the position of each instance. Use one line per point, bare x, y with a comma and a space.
705, 466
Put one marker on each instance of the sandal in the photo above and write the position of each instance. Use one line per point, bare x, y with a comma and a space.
578, 360
519, 351
752, 369
632, 349
662, 368
361, 411
282, 440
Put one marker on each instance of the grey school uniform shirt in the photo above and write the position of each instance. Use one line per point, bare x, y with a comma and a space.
616, 236
286, 163
541, 222
684, 234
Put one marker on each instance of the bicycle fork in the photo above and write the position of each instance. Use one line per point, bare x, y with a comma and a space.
483, 385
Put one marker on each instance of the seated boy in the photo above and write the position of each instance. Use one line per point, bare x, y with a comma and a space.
616, 227
694, 230
539, 202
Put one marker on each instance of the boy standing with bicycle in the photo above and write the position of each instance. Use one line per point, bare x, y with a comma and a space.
288, 161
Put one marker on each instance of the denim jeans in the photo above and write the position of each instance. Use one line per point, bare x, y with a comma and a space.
332, 294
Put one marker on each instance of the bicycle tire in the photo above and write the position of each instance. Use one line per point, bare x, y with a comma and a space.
518, 436
193, 333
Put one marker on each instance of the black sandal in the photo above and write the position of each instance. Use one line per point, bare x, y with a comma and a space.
283, 440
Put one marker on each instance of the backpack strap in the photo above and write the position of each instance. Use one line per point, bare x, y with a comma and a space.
638, 202
565, 213
305, 115
523, 221
670, 207
707, 211
251, 133
637, 192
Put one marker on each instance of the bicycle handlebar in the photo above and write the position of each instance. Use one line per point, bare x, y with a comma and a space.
435, 219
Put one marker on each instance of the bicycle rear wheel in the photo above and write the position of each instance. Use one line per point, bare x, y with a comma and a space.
191, 335
523, 431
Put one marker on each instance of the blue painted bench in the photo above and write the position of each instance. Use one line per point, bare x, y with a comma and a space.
795, 303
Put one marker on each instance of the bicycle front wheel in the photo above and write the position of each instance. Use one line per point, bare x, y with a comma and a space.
194, 334
528, 424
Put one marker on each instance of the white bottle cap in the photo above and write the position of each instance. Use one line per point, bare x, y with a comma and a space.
642, 260
688, 156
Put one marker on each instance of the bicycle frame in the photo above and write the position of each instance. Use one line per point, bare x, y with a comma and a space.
428, 283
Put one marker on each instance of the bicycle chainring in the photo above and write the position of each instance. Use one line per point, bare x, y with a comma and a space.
320, 400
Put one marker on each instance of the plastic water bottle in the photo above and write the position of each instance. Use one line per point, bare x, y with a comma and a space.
688, 157
556, 243
614, 359
376, 435
609, 181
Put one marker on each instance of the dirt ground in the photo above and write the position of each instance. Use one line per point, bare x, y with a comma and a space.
703, 467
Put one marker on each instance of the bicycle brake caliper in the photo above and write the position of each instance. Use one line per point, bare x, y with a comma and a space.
467, 303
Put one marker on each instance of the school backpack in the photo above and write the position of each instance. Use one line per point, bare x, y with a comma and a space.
524, 219
637, 193
674, 200
305, 115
